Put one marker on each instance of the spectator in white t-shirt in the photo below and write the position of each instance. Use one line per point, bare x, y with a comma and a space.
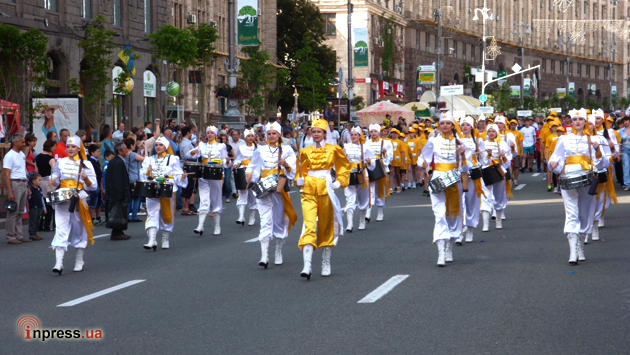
147, 127
119, 134
529, 142
335, 134
14, 166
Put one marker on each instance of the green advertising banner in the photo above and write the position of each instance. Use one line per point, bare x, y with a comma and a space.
613, 90
572, 90
527, 83
247, 22
515, 92
361, 47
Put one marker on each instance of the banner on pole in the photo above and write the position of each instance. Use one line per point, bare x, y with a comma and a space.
361, 47
515, 91
613, 91
527, 83
572, 90
247, 22
561, 92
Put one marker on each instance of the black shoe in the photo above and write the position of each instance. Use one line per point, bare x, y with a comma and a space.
234, 195
308, 276
531, 170
192, 208
425, 193
119, 237
263, 264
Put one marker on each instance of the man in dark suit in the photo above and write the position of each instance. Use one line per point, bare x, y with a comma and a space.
117, 193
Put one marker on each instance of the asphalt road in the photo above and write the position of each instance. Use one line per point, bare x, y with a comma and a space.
511, 291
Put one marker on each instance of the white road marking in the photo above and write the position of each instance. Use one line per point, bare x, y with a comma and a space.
252, 240
520, 186
534, 175
101, 236
99, 293
383, 289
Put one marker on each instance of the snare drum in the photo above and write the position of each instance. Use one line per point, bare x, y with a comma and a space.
575, 179
491, 175
239, 178
445, 181
145, 188
475, 173
212, 172
378, 172
193, 168
602, 176
60, 196
265, 186
164, 189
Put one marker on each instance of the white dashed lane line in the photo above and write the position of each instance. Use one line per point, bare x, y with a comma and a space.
519, 187
383, 289
99, 293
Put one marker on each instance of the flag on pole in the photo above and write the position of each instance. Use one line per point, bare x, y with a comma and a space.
127, 58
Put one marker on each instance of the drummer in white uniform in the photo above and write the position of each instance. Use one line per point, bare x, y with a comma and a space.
578, 154
246, 196
495, 195
379, 189
276, 210
75, 228
163, 167
214, 153
360, 156
447, 153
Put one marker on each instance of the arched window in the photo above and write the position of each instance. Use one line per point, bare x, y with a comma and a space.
53, 76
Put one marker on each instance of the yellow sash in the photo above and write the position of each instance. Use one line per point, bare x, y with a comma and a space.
81, 207
165, 207
289, 211
453, 209
583, 161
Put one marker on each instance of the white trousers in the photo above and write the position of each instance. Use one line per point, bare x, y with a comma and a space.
496, 197
210, 192
154, 215
374, 196
273, 223
472, 205
354, 193
445, 228
602, 205
246, 197
69, 227
579, 208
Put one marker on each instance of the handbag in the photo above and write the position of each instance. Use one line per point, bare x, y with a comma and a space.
282, 179
10, 206
592, 190
74, 199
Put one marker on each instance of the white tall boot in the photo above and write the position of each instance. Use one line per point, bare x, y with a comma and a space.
461, 237
202, 220
78, 263
241, 215
486, 221
151, 232
503, 216
379, 216
217, 223
252, 217
165, 244
595, 231
494, 214
264, 248
362, 219
469, 235
279, 244
586, 239
440, 245
350, 215
499, 221
59, 253
368, 214
573, 241
601, 223
448, 251
307, 253
580, 246
326, 261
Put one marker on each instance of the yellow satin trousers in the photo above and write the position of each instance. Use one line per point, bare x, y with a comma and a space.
319, 222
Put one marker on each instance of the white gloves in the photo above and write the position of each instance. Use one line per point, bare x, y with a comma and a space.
299, 181
335, 185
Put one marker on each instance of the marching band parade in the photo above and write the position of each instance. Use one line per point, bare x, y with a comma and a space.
467, 166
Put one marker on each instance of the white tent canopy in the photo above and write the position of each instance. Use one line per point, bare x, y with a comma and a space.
464, 103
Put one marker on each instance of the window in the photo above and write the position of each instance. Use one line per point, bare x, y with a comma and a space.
331, 27
588, 71
52, 77
455, 49
465, 46
86, 9
51, 5
117, 13
579, 70
148, 109
472, 52
553, 65
427, 42
147, 16
544, 65
561, 68
118, 109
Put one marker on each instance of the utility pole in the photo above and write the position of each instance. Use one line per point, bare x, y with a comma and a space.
350, 80
485, 15
232, 63
438, 51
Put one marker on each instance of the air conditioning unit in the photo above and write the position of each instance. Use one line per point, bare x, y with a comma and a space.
213, 24
381, 43
399, 9
469, 11
192, 18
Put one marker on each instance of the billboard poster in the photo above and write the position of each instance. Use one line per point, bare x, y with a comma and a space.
247, 22
55, 114
572, 90
561, 92
527, 83
515, 91
613, 90
361, 47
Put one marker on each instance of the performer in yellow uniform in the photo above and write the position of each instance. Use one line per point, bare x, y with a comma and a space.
397, 162
413, 145
321, 210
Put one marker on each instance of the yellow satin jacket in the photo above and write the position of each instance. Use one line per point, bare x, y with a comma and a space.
324, 158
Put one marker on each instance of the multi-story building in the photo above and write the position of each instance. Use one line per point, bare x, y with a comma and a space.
64, 23
601, 60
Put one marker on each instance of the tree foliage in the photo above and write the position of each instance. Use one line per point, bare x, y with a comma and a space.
259, 76
313, 85
295, 20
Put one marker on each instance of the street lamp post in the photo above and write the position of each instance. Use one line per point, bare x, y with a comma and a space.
486, 14
232, 63
522, 30
569, 43
611, 48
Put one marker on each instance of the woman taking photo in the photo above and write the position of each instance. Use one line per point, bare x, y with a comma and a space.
321, 211
74, 225
447, 153
246, 196
577, 151
276, 211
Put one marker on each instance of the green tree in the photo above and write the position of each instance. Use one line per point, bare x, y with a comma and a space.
259, 75
206, 36
313, 85
295, 19
388, 56
98, 49
23, 68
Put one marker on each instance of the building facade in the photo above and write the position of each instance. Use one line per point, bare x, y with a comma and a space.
598, 61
